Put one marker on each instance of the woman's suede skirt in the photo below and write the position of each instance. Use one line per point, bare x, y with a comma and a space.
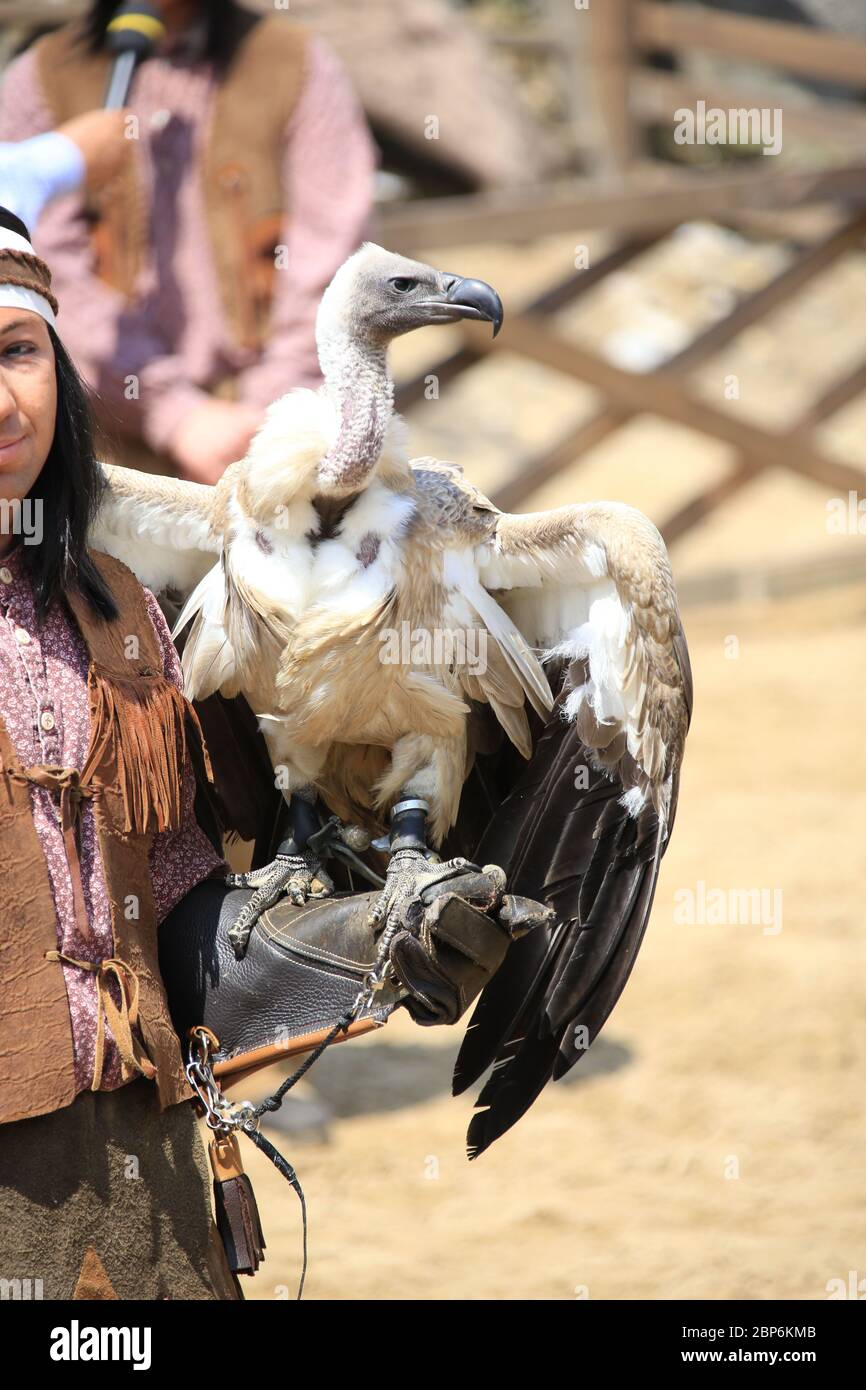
109, 1197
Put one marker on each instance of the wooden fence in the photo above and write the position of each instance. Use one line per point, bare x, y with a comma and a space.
642, 203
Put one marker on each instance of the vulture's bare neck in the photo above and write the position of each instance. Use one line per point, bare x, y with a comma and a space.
358, 382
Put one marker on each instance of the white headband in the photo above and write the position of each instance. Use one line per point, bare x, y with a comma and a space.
16, 296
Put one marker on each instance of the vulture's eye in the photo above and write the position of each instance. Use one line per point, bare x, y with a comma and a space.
402, 286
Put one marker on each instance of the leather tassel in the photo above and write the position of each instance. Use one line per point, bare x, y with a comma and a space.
237, 1215
139, 746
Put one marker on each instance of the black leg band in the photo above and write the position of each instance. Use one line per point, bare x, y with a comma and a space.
303, 822
409, 826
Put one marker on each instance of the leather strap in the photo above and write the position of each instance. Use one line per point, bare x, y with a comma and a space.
121, 1020
65, 784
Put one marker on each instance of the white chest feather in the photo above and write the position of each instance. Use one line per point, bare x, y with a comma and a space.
354, 571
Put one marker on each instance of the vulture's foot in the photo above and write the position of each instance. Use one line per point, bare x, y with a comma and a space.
401, 904
408, 871
299, 876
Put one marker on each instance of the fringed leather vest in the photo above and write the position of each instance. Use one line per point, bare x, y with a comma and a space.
139, 727
241, 172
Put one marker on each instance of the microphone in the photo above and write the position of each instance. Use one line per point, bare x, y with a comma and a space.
132, 35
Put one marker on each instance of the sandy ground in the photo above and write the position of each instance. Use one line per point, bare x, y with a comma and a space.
712, 1144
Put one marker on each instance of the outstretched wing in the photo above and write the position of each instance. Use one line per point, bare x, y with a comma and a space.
583, 825
159, 527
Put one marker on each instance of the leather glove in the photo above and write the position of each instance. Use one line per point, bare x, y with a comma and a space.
305, 966
455, 939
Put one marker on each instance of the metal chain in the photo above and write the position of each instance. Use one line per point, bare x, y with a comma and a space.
221, 1114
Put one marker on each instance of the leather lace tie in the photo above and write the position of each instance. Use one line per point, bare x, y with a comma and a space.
64, 783
121, 1020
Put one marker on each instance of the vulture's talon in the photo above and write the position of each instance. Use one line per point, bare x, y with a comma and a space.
409, 873
299, 876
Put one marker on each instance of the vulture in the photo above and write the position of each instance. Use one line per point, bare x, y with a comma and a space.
516, 687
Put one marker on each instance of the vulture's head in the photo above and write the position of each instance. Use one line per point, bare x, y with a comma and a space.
377, 295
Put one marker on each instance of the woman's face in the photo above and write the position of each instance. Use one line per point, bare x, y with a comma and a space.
28, 400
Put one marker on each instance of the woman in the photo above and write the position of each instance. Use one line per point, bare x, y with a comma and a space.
104, 1187
190, 284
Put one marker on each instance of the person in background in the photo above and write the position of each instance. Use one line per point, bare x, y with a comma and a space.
88, 150
190, 282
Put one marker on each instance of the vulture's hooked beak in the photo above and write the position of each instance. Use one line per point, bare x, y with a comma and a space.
469, 299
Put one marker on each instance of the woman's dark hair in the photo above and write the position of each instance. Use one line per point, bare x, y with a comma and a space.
226, 23
68, 490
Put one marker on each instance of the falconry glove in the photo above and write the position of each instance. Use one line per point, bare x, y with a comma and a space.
306, 966
454, 938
